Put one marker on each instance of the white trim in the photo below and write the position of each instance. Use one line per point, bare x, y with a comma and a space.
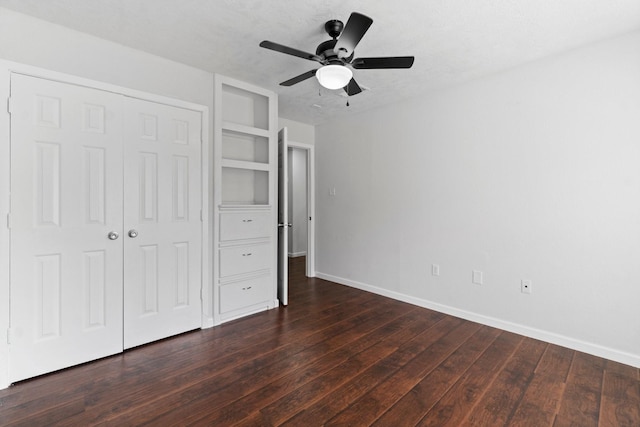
550, 337
56, 76
5, 177
207, 283
6, 69
230, 81
296, 254
311, 208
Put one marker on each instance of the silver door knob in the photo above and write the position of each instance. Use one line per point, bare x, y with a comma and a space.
133, 234
113, 235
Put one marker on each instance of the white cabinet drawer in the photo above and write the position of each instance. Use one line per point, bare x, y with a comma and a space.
244, 259
234, 296
244, 225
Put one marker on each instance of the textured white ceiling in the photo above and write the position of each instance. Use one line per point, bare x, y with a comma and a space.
453, 40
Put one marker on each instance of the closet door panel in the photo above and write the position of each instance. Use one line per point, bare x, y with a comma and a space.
66, 197
163, 228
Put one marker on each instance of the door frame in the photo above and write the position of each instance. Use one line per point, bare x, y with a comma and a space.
311, 210
7, 68
283, 218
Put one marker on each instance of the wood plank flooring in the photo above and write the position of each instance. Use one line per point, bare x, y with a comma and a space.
335, 356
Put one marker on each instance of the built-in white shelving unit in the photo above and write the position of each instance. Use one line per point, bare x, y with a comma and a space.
245, 199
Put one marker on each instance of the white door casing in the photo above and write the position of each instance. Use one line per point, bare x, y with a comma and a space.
66, 183
162, 224
310, 158
283, 218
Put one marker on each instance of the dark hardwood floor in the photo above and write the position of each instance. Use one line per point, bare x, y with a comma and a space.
335, 356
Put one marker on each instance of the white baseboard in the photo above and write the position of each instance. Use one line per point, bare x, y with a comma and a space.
207, 322
550, 337
4, 380
297, 254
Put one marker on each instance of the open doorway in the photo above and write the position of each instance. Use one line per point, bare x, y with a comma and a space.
301, 204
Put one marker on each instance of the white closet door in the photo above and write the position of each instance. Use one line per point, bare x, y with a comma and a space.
66, 186
163, 228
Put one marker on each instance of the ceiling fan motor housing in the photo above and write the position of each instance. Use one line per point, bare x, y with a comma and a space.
325, 50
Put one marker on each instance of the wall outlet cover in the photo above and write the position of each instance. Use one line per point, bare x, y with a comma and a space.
435, 270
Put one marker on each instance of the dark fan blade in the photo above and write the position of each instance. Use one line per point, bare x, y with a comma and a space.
383, 62
290, 51
298, 79
352, 33
352, 88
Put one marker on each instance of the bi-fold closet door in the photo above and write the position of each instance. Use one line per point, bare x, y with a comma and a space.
105, 224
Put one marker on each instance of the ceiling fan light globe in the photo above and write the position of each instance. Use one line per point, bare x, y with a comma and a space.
334, 76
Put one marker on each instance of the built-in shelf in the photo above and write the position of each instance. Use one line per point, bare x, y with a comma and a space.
245, 147
249, 130
240, 164
245, 186
246, 105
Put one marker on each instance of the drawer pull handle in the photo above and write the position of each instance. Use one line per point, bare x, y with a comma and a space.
249, 254
247, 220
247, 288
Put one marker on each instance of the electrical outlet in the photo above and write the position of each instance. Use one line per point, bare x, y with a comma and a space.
435, 270
525, 286
476, 277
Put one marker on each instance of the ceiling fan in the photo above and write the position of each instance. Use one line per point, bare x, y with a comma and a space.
336, 55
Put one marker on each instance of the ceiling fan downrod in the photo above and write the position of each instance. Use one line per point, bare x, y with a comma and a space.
333, 28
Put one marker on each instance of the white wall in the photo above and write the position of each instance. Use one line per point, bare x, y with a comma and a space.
298, 131
530, 174
35, 42
298, 202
